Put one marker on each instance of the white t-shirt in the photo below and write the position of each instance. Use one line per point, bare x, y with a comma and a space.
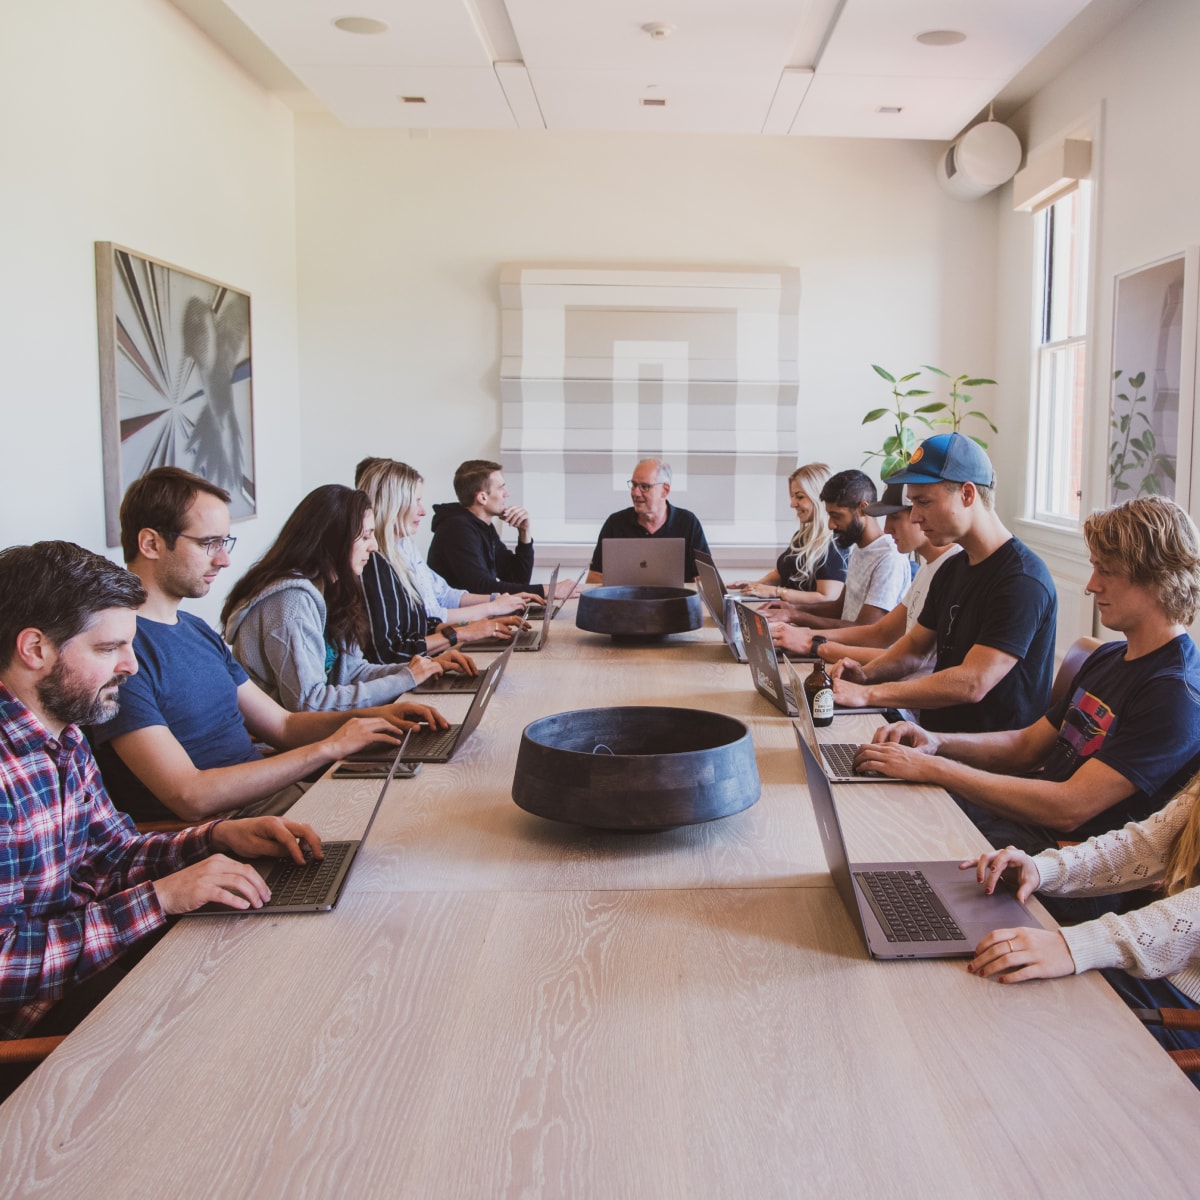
914, 600
878, 574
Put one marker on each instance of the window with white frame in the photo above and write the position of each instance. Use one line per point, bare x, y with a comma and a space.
1062, 239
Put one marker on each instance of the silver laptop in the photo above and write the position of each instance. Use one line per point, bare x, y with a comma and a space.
533, 638
642, 562
720, 606
700, 556
787, 694
837, 757
313, 886
907, 909
440, 745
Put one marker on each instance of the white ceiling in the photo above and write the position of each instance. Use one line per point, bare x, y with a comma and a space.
804, 67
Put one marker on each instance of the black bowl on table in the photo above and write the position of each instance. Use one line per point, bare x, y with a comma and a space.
639, 613
635, 769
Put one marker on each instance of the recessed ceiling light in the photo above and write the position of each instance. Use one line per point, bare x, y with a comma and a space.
941, 37
412, 99
360, 25
889, 109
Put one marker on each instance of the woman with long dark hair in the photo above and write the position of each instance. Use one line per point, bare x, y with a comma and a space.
297, 621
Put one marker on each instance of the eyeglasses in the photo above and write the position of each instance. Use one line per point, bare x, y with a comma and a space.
212, 545
640, 487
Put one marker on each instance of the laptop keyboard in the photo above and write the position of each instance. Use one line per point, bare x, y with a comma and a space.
907, 907
310, 883
840, 757
453, 681
431, 743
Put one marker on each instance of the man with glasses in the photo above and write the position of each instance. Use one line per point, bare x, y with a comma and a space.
651, 516
183, 743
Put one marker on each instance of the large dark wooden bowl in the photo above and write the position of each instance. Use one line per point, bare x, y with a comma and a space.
635, 769
639, 613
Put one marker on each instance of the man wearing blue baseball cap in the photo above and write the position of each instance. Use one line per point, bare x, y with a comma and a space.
990, 612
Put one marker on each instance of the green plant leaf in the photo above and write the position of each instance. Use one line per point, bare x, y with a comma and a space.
1119, 485
881, 372
1124, 423
1117, 374
891, 444
915, 392
935, 370
1151, 486
875, 414
906, 378
1148, 439
908, 439
1138, 379
1167, 467
977, 382
936, 406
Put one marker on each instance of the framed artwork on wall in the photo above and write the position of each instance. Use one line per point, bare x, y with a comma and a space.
175, 378
1151, 425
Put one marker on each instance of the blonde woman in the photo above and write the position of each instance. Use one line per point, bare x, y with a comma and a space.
812, 569
1151, 955
401, 625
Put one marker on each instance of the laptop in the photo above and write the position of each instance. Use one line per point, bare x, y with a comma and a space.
907, 909
700, 556
535, 611
642, 562
837, 757
440, 745
524, 639
719, 605
315, 886
786, 694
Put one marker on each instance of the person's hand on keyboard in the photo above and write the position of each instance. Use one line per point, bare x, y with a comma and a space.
895, 761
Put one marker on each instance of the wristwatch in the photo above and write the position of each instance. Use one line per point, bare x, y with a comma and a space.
450, 635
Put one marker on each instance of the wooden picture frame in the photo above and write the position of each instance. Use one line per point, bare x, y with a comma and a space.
175, 378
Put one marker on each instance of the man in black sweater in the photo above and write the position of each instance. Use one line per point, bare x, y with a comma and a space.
466, 549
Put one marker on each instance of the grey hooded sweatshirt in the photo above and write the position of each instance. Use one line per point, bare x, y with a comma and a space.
279, 637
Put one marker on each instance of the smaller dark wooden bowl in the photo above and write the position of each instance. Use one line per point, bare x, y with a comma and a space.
635, 769
640, 613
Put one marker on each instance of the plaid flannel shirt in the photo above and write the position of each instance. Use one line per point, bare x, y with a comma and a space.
76, 884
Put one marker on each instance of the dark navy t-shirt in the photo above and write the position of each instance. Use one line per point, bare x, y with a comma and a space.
1006, 602
1141, 717
187, 680
832, 566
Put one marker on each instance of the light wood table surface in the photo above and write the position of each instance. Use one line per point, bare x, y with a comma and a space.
499, 1007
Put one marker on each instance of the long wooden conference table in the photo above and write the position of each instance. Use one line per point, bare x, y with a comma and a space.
501, 1006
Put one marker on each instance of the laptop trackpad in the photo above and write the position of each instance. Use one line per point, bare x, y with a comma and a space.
976, 912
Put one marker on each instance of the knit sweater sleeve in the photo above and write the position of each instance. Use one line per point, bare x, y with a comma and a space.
1160, 939
281, 643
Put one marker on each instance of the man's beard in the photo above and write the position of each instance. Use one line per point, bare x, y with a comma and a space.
61, 696
846, 538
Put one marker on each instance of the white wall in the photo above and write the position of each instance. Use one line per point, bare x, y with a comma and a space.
121, 122
401, 241
1144, 75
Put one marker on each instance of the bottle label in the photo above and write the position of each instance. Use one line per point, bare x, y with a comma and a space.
822, 704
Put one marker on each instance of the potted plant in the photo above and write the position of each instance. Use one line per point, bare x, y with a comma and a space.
899, 445
1135, 448
956, 412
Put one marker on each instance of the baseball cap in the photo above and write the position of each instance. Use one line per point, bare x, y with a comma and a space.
949, 457
892, 500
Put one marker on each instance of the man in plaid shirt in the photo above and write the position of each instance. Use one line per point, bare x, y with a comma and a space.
78, 886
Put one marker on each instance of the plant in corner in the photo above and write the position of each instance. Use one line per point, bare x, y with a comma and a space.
1138, 451
899, 445
956, 412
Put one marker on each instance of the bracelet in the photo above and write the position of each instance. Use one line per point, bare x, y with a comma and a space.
495, 597
449, 633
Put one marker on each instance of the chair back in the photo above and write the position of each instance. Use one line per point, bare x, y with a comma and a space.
1077, 654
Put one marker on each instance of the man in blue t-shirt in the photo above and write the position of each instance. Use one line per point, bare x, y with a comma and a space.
1125, 737
181, 744
990, 613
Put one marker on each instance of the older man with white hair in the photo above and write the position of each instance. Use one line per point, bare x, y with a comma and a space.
651, 516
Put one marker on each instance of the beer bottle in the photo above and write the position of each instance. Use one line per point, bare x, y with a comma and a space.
818, 689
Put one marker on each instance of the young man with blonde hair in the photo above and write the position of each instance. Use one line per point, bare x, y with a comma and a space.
1126, 736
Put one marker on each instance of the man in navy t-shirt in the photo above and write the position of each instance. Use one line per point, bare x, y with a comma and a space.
181, 745
1125, 737
990, 613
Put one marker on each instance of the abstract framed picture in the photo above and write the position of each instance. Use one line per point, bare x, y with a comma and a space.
175, 378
